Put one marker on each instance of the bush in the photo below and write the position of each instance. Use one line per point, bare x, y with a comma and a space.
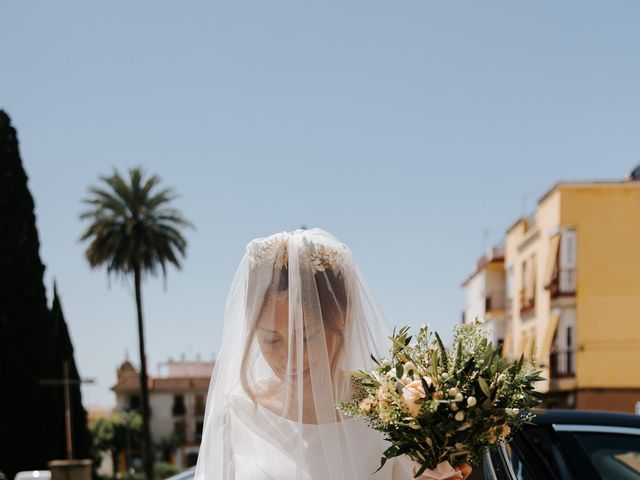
164, 470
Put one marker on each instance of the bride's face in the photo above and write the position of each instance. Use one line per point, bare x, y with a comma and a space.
278, 346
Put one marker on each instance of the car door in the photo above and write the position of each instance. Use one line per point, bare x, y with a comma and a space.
532, 455
601, 451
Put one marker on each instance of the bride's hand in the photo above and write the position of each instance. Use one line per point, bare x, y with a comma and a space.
464, 468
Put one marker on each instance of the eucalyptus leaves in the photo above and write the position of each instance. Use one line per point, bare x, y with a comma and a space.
444, 405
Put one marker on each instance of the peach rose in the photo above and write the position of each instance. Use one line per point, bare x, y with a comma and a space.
411, 393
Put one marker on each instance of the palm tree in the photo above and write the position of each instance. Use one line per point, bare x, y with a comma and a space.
134, 230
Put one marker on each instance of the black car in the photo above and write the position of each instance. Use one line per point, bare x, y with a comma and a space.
569, 445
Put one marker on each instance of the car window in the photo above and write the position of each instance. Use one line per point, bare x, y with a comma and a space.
521, 466
534, 455
614, 456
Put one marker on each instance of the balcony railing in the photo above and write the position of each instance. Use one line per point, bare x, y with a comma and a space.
563, 284
562, 363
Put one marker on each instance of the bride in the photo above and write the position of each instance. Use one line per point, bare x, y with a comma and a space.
298, 318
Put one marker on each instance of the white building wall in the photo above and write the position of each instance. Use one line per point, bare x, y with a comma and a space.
475, 298
161, 419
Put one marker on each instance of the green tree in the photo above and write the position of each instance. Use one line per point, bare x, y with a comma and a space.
120, 432
134, 230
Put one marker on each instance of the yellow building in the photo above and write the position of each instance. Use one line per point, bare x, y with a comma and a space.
572, 275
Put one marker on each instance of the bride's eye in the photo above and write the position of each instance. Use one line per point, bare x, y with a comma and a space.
272, 341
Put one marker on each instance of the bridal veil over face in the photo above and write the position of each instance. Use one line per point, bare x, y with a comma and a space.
298, 319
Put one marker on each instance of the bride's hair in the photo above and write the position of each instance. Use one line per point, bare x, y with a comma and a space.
333, 296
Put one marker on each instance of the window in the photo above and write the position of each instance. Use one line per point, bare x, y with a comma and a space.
568, 249
534, 455
612, 455
178, 405
570, 350
200, 404
528, 290
134, 402
509, 286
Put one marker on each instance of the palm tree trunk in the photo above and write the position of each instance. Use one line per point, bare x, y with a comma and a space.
146, 430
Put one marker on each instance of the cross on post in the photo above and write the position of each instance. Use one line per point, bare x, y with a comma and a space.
66, 382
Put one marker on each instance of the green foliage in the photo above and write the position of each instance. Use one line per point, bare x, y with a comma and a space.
117, 432
164, 470
436, 404
132, 225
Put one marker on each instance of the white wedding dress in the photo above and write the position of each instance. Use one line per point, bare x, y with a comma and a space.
250, 456
298, 318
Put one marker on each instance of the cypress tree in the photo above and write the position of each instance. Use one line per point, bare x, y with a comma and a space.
63, 351
30, 414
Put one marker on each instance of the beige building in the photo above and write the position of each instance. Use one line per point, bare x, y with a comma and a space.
572, 276
177, 399
485, 295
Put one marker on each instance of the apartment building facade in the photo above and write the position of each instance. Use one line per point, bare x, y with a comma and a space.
572, 294
485, 295
177, 400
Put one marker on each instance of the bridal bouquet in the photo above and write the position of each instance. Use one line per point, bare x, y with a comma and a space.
444, 406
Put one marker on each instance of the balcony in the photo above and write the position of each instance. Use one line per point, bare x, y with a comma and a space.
562, 363
527, 303
563, 283
495, 303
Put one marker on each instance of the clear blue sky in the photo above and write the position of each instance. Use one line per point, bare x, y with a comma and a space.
404, 128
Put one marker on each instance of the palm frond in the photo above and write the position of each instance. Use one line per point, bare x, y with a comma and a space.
132, 224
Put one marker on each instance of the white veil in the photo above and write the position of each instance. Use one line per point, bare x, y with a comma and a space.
298, 318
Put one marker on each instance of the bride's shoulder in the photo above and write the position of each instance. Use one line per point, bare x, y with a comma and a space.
262, 393
266, 392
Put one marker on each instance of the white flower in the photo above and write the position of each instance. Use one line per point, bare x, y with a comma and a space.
409, 366
444, 375
406, 380
453, 391
459, 397
471, 401
512, 411
454, 406
385, 362
459, 416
